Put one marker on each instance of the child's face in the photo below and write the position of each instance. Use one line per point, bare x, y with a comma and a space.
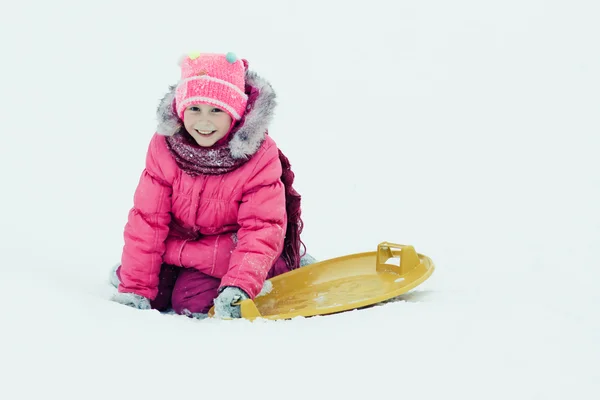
206, 124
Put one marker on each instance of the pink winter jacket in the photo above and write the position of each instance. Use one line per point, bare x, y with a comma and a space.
230, 226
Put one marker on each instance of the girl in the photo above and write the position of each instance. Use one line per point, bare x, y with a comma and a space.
214, 213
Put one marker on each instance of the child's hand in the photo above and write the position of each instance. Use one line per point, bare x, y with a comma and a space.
224, 303
132, 300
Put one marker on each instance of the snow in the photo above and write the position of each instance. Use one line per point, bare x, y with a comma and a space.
467, 129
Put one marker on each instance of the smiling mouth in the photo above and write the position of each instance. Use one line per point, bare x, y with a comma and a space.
205, 133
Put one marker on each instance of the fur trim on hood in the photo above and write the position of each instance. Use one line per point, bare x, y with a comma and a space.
249, 132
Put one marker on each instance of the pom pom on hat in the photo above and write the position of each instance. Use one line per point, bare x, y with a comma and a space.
193, 55
231, 57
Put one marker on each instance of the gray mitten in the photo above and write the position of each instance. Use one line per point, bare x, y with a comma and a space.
224, 303
132, 300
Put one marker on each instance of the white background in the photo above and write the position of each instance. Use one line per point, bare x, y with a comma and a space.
468, 129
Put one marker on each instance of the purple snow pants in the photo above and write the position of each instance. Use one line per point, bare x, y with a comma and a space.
189, 289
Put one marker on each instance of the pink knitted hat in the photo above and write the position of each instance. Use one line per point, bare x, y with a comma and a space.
216, 79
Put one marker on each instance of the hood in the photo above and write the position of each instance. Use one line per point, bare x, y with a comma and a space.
248, 133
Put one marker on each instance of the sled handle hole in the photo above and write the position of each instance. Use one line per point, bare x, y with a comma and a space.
408, 256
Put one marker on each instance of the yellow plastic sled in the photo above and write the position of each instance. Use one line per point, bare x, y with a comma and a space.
341, 284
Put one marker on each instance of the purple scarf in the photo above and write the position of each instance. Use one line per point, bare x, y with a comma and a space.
196, 160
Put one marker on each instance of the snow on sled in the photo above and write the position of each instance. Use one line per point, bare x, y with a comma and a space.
341, 284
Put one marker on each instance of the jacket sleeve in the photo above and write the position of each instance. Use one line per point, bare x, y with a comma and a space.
147, 228
262, 220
